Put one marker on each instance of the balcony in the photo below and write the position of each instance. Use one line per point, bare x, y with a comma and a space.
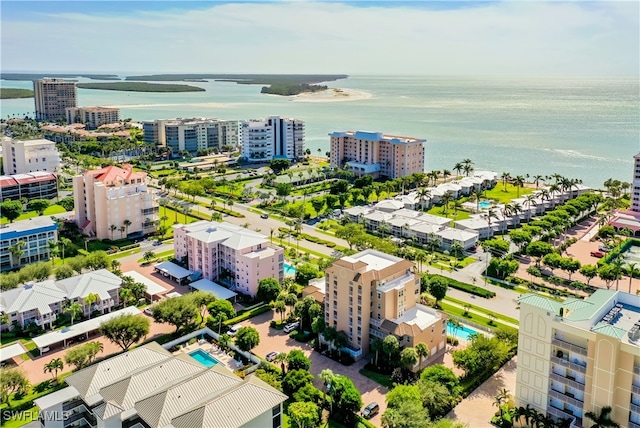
635, 389
566, 363
567, 380
571, 347
564, 414
633, 425
634, 408
70, 405
636, 370
566, 398
88, 418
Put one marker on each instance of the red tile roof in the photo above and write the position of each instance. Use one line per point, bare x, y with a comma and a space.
113, 173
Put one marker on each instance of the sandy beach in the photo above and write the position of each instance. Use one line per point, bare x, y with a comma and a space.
332, 95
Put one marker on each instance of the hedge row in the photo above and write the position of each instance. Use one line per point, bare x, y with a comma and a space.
248, 314
307, 237
471, 289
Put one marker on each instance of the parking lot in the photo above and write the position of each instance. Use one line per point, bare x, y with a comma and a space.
277, 340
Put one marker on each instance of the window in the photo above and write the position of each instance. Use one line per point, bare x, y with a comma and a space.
276, 416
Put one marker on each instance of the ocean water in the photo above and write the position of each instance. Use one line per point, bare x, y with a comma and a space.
580, 128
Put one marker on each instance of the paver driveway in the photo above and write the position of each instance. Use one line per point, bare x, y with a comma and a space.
277, 340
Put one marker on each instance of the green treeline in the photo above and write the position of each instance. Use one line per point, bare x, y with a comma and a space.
11, 93
245, 79
140, 87
292, 89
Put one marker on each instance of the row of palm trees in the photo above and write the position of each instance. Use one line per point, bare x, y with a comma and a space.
124, 228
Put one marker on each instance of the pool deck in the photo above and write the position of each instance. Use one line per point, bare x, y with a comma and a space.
211, 349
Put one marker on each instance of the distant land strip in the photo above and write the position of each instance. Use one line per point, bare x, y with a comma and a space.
245, 79
13, 93
140, 87
33, 76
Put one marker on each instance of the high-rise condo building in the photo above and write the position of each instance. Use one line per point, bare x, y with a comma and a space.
228, 253
272, 138
25, 156
53, 97
370, 295
579, 356
377, 154
92, 117
635, 185
192, 134
113, 202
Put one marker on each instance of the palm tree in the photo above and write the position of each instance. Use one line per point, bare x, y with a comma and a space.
518, 182
280, 307
468, 169
73, 309
126, 224
422, 351
54, 366
90, 300
537, 179
505, 177
53, 250
603, 419
458, 167
112, 229
423, 195
617, 264
477, 194
16, 251
281, 359
489, 215
384, 228
632, 272
528, 201
64, 243
446, 198
122, 229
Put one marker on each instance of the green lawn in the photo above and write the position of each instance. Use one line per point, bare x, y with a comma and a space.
382, 379
501, 195
484, 311
439, 211
158, 255
478, 319
173, 217
53, 209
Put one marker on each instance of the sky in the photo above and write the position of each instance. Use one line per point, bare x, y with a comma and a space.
474, 38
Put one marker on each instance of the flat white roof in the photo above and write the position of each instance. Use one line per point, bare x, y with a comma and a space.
57, 397
375, 260
173, 269
8, 352
58, 336
153, 288
419, 316
211, 287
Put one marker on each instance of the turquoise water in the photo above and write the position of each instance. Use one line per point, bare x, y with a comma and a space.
484, 204
462, 333
288, 269
203, 358
579, 127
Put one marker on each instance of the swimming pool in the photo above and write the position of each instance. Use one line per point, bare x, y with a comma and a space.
288, 269
462, 332
203, 358
484, 204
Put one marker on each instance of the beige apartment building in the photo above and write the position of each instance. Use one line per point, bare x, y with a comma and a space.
114, 202
92, 117
52, 98
227, 253
370, 295
579, 356
25, 156
377, 154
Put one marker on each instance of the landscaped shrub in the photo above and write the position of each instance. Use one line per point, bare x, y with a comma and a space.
472, 289
248, 314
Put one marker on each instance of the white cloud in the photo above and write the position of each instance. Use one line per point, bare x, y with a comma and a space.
511, 38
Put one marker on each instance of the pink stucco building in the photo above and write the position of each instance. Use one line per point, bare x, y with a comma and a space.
229, 254
114, 202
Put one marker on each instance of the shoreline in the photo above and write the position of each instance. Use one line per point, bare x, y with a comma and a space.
331, 95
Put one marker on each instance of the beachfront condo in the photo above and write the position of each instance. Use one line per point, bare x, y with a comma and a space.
34, 185
114, 202
230, 254
52, 98
377, 154
579, 356
272, 138
370, 295
192, 134
92, 117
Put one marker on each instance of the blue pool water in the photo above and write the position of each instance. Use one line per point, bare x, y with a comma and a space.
288, 269
462, 333
203, 358
484, 204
